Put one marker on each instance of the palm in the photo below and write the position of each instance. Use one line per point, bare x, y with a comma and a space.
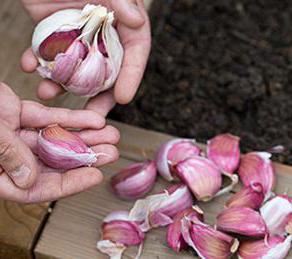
21, 117
134, 31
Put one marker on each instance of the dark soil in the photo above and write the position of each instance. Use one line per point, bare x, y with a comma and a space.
219, 66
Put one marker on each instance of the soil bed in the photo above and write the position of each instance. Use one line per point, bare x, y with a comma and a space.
219, 66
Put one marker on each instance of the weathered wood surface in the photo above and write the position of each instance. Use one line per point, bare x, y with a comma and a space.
74, 226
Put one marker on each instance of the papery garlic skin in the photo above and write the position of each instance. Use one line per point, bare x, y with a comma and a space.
276, 213
208, 242
256, 167
134, 181
60, 149
119, 232
224, 151
274, 247
249, 196
174, 235
201, 175
172, 152
159, 209
242, 221
83, 76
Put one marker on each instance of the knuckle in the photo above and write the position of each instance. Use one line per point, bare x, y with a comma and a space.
6, 150
115, 135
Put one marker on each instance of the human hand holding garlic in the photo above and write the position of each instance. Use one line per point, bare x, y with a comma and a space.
24, 178
134, 30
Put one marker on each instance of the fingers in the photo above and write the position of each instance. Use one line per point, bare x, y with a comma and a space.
103, 103
51, 186
105, 154
107, 135
127, 13
29, 62
16, 159
35, 115
137, 44
49, 90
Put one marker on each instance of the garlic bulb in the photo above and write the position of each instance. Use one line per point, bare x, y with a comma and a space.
79, 49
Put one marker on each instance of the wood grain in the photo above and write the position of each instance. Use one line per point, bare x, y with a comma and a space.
19, 225
73, 228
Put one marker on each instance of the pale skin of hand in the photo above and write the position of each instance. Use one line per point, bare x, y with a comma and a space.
134, 29
24, 178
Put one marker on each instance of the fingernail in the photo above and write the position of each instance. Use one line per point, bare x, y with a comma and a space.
20, 176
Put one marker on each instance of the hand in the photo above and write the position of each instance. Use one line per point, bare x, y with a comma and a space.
134, 29
24, 178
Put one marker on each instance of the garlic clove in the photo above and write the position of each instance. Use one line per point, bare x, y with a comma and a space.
277, 214
60, 149
89, 76
274, 247
173, 152
119, 232
56, 43
66, 63
208, 242
174, 236
231, 220
201, 175
224, 151
159, 209
256, 167
114, 50
135, 180
249, 196
62, 21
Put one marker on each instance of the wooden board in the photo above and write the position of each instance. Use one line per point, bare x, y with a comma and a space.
19, 225
73, 228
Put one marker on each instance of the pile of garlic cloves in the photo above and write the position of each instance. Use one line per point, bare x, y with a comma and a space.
79, 49
254, 223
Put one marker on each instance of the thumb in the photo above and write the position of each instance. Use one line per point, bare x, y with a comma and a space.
128, 12
16, 158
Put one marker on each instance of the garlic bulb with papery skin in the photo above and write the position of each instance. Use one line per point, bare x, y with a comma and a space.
119, 232
256, 167
60, 149
171, 153
249, 196
224, 151
242, 221
174, 235
159, 209
134, 181
274, 247
277, 213
86, 74
208, 242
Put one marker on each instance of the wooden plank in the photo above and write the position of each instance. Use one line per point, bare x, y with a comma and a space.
19, 225
73, 228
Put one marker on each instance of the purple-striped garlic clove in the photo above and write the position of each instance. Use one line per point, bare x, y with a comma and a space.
119, 232
203, 177
277, 214
159, 210
249, 196
208, 242
224, 151
256, 167
174, 235
242, 221
274, 247
173, 152
134, 181
60, 149
88, 78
